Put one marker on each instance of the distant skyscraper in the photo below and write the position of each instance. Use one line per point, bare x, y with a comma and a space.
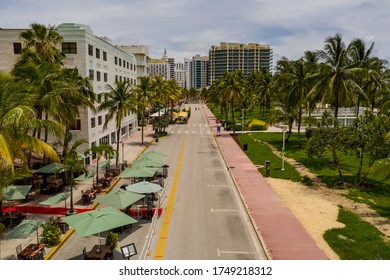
247, 58
180, 74
199, 72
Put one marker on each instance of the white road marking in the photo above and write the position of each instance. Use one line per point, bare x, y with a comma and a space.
219, 252
223, 210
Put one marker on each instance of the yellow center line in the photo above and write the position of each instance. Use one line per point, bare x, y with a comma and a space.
169, 209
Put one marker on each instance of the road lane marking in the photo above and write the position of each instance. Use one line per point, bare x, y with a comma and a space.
222, 210
218, 186
219, 252
159, 255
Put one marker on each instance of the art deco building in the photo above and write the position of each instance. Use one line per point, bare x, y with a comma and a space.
95, 58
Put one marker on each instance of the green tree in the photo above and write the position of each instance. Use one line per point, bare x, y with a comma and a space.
99, 151
336, 83
119, 102
231, 88
144, 93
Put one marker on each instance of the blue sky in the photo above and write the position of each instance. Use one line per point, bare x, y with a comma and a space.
189, 27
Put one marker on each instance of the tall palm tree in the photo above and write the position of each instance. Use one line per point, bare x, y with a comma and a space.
99, 151
17, 121
173, 94
45, 41
294, 81
232, 89
144, 92
336, 82
120, 101
160, 90
77, 94
72, 166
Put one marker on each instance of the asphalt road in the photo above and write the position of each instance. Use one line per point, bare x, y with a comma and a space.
203, 215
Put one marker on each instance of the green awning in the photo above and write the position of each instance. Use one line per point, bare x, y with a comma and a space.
55, 199
52, 168
138, 172
15, 192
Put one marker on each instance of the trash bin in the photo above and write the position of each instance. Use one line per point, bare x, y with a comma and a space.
245, 146
267, 168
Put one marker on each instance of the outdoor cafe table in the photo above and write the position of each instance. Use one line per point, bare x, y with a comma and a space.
32, 251
95, 255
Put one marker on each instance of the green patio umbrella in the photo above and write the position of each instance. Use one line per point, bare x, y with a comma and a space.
147, 162
138, 172
52, 168
97, 221
24, 229
56, 199
15, 192
119, 198
85, 176
144, 187
104, 163
152, 155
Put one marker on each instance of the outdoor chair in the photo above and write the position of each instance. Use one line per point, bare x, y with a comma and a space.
18, 250
109, 255
85, 254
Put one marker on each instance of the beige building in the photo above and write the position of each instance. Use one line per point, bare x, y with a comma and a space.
141, 53
96, 58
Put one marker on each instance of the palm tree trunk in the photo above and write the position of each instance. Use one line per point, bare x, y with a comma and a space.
142, 129
232, 105
299, 126
117, 147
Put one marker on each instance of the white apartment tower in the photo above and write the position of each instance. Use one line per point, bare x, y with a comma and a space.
95, 58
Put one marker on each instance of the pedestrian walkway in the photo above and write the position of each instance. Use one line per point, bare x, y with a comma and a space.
71, 243
282, 234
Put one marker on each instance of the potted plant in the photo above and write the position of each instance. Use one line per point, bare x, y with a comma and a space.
112, 240
51, 235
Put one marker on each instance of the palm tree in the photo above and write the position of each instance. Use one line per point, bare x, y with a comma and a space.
173, 94
17, 121
72, 166
77, 94
119, 102
144, 92
99, 151
160, 90
294, 81
336, 76
44, 41
232, 89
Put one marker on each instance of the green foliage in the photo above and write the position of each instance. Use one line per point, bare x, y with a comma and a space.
112, 240
257, 125
259, 152
306, 181
358, 240
51, 235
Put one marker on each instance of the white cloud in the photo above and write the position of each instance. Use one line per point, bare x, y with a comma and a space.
189, 27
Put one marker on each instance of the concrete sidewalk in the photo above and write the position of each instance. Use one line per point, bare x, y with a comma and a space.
71, 242
283, 235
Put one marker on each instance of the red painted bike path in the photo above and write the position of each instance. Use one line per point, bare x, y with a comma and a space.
283, 235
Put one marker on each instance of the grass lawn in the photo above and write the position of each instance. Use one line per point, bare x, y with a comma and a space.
359, 239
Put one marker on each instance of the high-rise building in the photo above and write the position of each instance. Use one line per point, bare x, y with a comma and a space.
160, 67
199, 72
95, 58
180, 74
229, 57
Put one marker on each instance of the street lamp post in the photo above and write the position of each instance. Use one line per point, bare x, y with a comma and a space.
284, 128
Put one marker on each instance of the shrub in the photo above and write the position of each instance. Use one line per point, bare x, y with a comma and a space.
51, 234
257, 125
306, 181
112, 240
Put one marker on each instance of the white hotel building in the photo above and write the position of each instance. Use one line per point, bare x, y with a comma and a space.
96, 58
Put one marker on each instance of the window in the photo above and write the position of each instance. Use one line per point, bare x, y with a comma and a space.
99, 98
93, 124
69, 48
17, 48
104, 56
100, 120
116, 61
90, 50
113, 138
97, 53
120, 62
98, 75
76, 125
91, 74
105, 77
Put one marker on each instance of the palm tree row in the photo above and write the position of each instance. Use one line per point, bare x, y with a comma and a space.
340, 75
